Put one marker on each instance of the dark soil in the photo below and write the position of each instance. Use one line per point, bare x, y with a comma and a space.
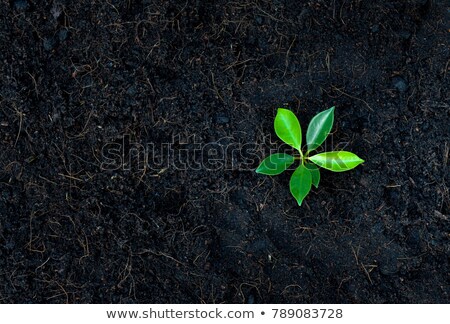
78, 75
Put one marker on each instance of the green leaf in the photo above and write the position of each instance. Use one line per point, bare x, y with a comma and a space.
319, 128
275, 164
300, 183
337, 161
315, 173
288, 128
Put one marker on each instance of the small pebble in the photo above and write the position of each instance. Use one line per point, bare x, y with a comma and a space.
400, 84
405, 34
62, 35
132, 90
49, 43
222, 119
21, 4
251, 299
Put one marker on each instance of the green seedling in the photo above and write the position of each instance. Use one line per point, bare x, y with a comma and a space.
287, 128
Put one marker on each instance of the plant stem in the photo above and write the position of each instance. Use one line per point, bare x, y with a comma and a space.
301, 157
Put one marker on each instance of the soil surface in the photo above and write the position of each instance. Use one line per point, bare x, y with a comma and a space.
81, 76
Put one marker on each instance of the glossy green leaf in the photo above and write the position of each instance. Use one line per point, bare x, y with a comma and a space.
337, 161
300, 183
319, 128
275, 164
315, 173
288, 128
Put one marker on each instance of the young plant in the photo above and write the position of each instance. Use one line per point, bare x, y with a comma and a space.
287, 128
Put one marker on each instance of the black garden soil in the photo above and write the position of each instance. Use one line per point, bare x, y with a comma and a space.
79, 76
